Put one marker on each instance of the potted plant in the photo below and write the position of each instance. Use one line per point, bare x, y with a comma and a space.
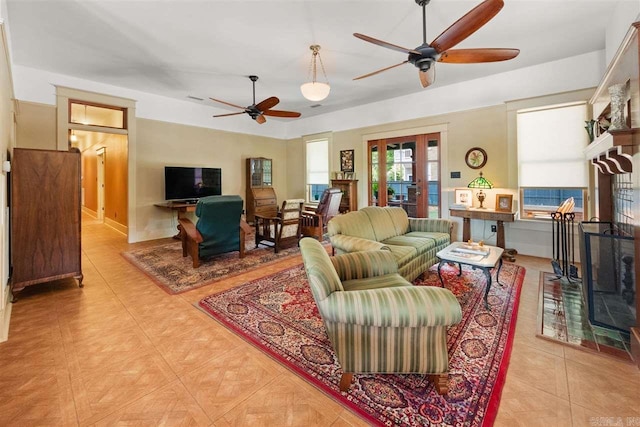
374, 189
390, 192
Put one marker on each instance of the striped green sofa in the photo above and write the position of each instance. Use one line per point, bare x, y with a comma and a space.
376, 320
413, 242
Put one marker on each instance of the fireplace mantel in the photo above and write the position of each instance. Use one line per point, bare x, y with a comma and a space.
618, 151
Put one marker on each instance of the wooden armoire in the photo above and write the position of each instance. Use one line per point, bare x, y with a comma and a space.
45, 217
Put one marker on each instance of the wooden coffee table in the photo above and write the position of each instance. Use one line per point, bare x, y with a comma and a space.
483, 258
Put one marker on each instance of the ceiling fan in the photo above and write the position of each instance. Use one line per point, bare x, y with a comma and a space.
426, 55
258, 111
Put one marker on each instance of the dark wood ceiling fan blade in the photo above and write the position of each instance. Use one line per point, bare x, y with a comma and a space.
470, 56
467, 25
260, 119
280, 113
379, 71
227, 103
267, 103
427, 77
230, 114
385, 44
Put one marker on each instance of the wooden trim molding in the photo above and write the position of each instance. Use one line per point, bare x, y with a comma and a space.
620, 158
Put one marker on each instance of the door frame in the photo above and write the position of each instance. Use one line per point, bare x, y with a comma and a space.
100, 167
420, 171
446, 189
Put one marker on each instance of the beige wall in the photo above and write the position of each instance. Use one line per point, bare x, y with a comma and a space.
485, 128
161, 144
36, 126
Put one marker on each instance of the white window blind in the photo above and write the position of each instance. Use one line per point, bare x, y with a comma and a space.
318, 162
551, 141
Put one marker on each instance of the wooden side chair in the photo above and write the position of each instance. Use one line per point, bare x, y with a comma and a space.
314, 223
219, 229
274, 231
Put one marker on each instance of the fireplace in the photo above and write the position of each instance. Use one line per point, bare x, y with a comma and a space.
608, 282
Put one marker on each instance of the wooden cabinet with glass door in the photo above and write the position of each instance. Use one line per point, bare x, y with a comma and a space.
349, 187
260, 195
404, 171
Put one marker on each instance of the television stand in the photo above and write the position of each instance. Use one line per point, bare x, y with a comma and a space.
181, 208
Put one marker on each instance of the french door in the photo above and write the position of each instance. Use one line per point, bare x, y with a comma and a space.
405, 171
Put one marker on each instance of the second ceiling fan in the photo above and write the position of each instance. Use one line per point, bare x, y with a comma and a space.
259, 110
426, 55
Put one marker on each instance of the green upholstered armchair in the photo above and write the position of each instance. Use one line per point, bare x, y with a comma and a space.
219, 229
377, 321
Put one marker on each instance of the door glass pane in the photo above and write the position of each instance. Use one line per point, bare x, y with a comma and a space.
433, 179
400, 175
432, 150
373, 178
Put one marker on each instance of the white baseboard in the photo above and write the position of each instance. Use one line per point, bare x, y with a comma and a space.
90, 212
116, 226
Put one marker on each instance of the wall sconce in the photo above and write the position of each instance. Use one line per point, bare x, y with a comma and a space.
313, 90
481, 183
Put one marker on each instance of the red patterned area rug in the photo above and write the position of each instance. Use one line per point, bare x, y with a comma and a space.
165, 265
277, 314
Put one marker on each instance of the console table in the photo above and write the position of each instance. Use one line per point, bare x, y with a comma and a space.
180, 208
486, 215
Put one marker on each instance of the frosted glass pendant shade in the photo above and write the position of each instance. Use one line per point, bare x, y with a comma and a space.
315, 91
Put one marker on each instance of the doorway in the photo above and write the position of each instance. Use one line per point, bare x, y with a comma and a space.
405, 171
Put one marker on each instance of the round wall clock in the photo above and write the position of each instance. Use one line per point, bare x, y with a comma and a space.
476, 158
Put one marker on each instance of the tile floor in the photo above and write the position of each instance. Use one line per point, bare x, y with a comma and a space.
122, 351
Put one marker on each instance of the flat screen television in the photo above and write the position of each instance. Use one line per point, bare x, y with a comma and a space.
191, 183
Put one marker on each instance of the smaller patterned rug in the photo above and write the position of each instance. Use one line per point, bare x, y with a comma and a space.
277, 314
165, 265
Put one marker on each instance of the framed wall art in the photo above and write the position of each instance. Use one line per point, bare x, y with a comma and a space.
464, 197
346, 160
503, 202
476, 158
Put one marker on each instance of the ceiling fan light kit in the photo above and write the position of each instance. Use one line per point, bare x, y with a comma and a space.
314, 90
426, 55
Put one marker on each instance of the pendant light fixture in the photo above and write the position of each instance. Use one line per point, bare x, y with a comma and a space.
313, 90
73, 137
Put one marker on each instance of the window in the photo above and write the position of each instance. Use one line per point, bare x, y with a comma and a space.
317, 168
83, 113
539, 203
551, 162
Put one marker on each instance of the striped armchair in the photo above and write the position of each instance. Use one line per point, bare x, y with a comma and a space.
376, 320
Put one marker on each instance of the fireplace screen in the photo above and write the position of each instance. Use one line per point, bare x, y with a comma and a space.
609, 288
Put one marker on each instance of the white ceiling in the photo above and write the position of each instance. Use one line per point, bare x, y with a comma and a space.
178, 48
